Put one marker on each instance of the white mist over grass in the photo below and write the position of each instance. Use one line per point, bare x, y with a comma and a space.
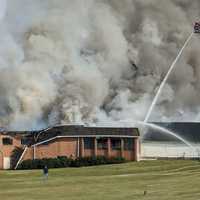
73, 61
169, 150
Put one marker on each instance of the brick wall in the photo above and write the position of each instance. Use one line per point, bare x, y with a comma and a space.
71, 146
88, 152
115, 153
129, 155
6, 150
58, 147
102, 152
67, 147
49, 150
28, 154
64, 147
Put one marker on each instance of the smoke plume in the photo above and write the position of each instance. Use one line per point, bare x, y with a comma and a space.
96, 61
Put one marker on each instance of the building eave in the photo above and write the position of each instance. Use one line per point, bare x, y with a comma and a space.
83, 136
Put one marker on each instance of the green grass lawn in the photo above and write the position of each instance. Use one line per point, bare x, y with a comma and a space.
169, 180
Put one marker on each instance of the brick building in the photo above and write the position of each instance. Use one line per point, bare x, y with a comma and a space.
72, 141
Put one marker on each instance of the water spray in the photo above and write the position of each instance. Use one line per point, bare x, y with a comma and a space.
163, 130
165, 79
166, 131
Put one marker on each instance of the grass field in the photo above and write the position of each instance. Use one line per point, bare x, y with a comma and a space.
168, 180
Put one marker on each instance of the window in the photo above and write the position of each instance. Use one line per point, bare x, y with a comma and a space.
89, 143
128, 144
24, 141
116, 144
102, 143
7, 141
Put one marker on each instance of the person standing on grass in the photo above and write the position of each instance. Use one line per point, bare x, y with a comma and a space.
45, 172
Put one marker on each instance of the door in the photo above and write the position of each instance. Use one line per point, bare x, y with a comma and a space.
6, 163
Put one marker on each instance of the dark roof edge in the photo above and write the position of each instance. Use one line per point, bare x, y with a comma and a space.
57, 126
82, 136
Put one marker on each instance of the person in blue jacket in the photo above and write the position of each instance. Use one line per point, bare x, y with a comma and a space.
45, 172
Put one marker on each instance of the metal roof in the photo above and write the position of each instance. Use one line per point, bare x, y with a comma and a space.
188, 130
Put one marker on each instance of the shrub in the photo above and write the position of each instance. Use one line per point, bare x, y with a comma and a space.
63, 161
26, 164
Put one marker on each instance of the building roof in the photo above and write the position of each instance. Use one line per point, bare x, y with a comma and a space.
82, 131
187, 130
15, 133
32, 137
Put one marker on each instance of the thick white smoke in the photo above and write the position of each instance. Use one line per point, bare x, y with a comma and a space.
92, 61
2, 9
